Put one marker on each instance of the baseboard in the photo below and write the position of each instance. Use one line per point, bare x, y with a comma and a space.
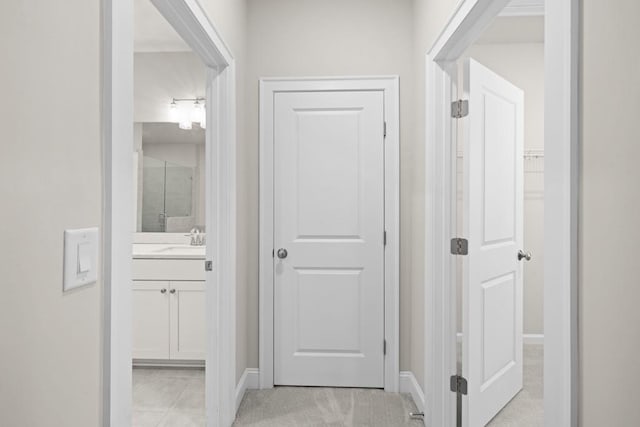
537, 339
249, 380
409, 384
166, 363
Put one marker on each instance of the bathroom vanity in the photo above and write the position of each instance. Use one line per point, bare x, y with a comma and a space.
168, 304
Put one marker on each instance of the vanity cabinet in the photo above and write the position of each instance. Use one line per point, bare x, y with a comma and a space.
168, 315
169, 320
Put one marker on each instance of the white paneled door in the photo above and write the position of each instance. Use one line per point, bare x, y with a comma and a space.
329, 238
493, 224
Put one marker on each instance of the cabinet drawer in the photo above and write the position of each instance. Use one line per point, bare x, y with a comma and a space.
162, 269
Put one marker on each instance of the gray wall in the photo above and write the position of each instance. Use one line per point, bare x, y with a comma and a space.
609, 319
50, 179
339, 38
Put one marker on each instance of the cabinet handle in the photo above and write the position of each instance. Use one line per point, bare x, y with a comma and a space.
163, 291
173, 291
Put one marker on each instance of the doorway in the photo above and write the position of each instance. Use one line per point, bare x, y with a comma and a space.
217, 269
447, 387
509, 53
329, 232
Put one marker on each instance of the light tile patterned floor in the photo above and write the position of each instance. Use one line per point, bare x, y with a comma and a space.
168, 397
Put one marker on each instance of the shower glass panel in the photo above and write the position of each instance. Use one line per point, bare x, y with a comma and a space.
178, 190
167, 195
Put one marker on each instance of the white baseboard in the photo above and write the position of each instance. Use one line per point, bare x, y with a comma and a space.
537, 339
409, 384
249, 380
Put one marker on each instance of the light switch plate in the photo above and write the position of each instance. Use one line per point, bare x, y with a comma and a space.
80, 257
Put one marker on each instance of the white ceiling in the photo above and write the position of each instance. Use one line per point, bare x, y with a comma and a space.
161, 76
514, 29
152, 33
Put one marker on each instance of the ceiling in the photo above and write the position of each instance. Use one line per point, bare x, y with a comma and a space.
152, 33
158, 77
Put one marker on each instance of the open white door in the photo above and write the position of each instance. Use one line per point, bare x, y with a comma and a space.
493, 224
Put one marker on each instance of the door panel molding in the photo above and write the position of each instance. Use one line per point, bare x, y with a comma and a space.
389, 85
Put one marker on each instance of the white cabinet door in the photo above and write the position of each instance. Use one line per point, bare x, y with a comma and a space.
150, 319
188, 323
492, 292
329, 217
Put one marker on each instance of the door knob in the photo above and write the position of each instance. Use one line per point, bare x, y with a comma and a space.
173, 291
282, 253
523, 254
163, 291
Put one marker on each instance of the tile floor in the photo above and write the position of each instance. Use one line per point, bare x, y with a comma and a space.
164, 397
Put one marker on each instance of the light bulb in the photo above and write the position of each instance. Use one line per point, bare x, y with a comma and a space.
196, 112
203, 122
173, 111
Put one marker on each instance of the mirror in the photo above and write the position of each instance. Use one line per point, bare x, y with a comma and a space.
169, 142
170, 169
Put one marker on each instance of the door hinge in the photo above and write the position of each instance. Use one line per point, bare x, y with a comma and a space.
384, 238
459, 108
384, 347
384, 129
208, 266
459, 246
459, 384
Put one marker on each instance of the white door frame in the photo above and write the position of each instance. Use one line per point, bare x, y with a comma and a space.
561, 202
190, 21
390, 87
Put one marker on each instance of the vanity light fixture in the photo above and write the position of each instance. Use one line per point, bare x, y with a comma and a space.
186, 111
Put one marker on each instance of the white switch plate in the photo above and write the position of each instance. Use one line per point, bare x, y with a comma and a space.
80, 257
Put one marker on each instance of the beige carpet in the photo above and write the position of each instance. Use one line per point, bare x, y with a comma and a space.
526, 409
326, 407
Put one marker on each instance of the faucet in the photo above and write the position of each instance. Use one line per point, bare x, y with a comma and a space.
197, 237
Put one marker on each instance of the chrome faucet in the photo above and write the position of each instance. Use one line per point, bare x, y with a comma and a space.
197, 237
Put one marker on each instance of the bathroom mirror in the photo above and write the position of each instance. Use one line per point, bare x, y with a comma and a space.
170, 175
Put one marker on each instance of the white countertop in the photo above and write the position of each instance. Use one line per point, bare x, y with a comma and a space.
167, 251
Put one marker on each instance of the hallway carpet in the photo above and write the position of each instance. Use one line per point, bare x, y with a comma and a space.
526, 409
331, 407
175, 398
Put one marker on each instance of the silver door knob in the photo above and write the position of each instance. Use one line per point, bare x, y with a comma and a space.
282, 253
163, 291
523, 254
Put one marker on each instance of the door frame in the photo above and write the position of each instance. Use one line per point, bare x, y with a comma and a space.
191, 22
561, 207
389, 85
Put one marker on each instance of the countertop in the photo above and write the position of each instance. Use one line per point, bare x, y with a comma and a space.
167, 251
